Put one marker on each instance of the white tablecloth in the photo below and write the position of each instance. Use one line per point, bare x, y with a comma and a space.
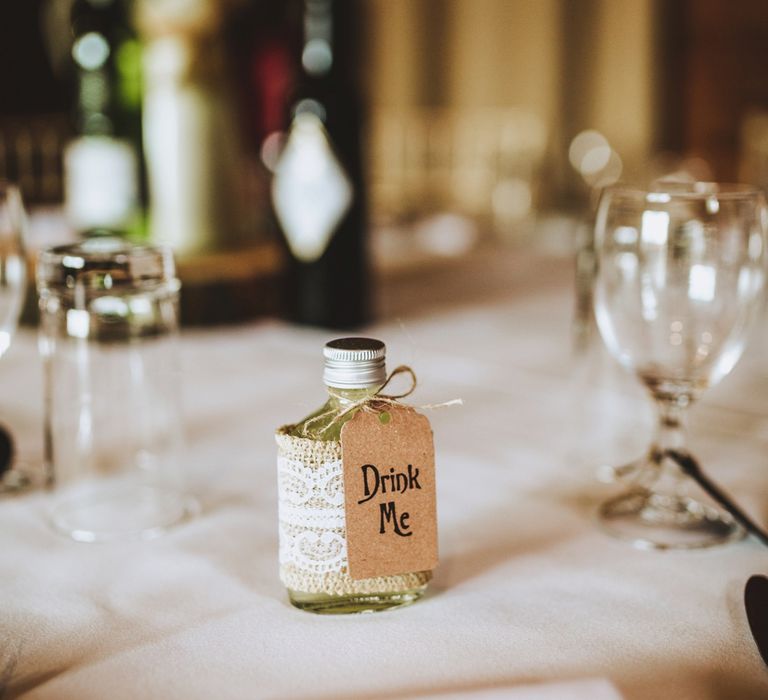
528, 592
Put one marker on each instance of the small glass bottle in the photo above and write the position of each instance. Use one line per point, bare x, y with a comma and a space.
313, 561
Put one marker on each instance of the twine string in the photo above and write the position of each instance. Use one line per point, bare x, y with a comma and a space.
377, 402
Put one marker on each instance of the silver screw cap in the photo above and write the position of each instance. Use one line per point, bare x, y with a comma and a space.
354, 363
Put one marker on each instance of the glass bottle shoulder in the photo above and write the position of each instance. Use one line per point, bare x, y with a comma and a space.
326, 422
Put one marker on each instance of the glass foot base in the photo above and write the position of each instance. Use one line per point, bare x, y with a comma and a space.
637, 474
324, 604
653, 521
612, 473
116, 514
15, 481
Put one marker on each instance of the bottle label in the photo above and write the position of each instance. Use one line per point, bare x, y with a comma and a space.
312, 520
388, 461
311, 190
101, 182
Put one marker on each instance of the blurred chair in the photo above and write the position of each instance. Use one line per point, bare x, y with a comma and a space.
482, 164
31, 155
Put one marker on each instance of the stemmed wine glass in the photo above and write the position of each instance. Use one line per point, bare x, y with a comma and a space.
680, 281
13, 281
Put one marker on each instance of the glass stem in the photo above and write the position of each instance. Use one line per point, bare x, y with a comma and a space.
670, 434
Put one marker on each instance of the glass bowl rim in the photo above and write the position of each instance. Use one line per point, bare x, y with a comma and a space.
664, 191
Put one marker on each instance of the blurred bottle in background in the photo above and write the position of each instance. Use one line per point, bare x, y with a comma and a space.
318, 187
193, 146
104, 182
250, 114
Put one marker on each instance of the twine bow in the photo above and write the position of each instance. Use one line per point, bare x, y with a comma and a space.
376, 402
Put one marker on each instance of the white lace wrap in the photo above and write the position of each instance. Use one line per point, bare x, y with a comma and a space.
313, 543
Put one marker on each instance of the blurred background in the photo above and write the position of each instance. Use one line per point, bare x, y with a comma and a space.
295, 152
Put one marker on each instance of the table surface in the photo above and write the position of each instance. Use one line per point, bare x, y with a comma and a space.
528, 591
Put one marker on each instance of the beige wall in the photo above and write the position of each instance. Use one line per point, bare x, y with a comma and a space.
392, 68
504, 54
516, 53
621, 88
496, 53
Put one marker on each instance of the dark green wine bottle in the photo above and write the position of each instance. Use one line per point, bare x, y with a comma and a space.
106, 186
319, 186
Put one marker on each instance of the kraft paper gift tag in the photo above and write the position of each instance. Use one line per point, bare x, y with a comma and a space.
389, 492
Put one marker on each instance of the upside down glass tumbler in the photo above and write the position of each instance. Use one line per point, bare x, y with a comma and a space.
113, 431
